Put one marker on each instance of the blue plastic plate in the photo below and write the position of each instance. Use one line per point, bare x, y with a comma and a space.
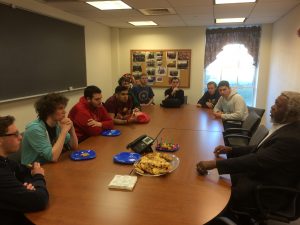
83, 155
127, 157
111, 133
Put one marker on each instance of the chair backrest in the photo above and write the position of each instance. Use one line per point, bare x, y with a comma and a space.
258, 111
252, 122
259, 135
185, 99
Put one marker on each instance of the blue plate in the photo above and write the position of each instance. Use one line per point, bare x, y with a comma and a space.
111, 133
83, 155
127, 157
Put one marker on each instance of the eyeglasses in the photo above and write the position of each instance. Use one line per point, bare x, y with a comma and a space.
16, 134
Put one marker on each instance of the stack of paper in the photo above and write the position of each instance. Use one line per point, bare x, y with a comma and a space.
123, 182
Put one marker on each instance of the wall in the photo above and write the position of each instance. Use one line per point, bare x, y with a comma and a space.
167, 38
285, 55
98, 60
188, 38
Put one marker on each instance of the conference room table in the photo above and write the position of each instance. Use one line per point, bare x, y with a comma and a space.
79, 192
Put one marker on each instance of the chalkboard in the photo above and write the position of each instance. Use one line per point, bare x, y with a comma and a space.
39, 54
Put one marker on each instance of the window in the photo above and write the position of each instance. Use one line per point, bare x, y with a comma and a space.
235, 65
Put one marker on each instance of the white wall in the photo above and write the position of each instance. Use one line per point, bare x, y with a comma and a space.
188, 38
98, 60
285, 56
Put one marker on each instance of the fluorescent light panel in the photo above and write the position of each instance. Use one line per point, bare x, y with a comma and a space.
143, 23
233, 1
109, 5
230, 20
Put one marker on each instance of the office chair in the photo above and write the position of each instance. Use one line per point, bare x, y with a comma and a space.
248, 127
185, 99
238, 123
258, 111
264, 212
244, 140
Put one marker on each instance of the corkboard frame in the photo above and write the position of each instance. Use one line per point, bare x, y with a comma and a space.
161, 65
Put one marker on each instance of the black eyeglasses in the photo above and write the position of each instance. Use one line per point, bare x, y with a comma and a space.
16, 134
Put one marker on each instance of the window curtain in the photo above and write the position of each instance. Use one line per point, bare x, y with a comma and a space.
216, 39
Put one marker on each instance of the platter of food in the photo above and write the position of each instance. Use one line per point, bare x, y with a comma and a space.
156, 164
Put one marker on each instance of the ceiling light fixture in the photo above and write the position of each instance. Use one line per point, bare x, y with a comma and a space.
217, 2
109, 5
230, 20
143, 23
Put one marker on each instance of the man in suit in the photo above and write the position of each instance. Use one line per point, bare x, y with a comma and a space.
274, 161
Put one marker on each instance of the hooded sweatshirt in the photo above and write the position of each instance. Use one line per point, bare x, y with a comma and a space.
82, 112
233, 107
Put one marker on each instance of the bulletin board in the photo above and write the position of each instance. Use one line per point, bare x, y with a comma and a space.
162, 65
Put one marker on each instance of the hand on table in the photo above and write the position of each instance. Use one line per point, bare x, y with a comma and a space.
203, 166
218, 115
209, 105
221, 149
37, 169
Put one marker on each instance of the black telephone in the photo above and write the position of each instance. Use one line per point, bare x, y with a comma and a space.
142, 144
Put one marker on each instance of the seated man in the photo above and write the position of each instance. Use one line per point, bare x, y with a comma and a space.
89, 115
174, 95
127, 82
120, 106
46, 137
230, 105
274, 161
22, 190
210, 97
143, 92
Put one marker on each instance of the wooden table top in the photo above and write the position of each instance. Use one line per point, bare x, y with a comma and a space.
79, 192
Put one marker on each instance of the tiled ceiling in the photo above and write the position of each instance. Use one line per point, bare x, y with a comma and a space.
188, 12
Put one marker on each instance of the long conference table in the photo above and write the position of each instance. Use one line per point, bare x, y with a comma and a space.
79, 192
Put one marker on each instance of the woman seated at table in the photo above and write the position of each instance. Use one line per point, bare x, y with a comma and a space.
46, 137
174, 97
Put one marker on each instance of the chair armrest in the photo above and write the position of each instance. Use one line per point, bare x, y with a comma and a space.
226, 138
236, 130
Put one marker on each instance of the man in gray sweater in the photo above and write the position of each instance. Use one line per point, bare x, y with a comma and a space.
231, 105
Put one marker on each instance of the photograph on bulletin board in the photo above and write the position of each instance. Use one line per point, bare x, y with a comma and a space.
161, 65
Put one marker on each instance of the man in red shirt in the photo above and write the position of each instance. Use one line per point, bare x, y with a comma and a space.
120, 106
89, 116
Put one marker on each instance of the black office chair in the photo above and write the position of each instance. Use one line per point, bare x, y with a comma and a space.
248, 128
258, 111
244, 140
238, 123
266, 212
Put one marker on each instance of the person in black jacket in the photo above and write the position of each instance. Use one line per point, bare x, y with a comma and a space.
174, 92
22, 189
274, 161
210, 97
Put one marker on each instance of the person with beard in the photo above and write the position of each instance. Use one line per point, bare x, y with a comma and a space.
89, 116
274, 161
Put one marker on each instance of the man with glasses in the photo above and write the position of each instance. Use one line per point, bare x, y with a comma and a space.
21, 189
